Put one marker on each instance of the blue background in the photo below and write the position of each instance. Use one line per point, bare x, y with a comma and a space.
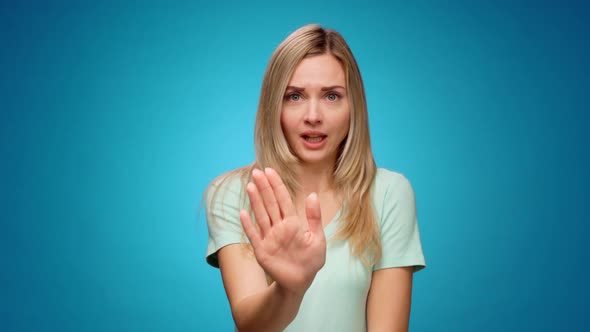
114, 118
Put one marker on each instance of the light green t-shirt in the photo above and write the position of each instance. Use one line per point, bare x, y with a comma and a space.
336, 300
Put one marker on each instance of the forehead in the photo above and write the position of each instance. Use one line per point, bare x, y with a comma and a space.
318, 70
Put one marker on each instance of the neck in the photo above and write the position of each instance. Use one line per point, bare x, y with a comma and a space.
316, 178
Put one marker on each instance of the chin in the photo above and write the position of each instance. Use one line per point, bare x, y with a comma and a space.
308, 158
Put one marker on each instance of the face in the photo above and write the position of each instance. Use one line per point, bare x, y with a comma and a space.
315, 114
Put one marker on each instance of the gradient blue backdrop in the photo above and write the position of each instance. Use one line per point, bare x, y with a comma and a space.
114, 118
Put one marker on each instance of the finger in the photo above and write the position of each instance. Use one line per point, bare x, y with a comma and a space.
281, 193
251, 231
268, 196
313, 213
258, 207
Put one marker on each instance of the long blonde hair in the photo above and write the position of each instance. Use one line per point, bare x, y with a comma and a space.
355, 168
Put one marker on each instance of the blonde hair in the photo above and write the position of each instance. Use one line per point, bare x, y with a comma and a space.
355, 168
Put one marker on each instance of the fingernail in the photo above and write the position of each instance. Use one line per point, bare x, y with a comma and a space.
267, 170
256, 171
313, 195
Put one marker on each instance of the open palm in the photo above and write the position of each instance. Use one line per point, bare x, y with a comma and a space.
289, 248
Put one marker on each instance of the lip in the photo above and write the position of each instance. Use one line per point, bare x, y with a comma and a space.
314, 145
313, 132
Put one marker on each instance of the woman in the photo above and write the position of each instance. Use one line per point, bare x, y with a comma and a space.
324, 241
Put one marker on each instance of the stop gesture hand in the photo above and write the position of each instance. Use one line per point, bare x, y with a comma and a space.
289, 248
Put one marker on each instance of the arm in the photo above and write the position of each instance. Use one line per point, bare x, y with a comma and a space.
255, 305
283, 248
389, 300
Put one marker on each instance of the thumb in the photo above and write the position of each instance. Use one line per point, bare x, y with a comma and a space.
313, 213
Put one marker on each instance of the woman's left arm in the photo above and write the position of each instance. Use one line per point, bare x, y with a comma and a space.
389, 300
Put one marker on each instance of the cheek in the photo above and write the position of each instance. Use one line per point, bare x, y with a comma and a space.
286, 124
345, 115
345, 122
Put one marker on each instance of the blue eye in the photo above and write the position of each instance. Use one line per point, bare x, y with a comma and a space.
293, 97
332, 97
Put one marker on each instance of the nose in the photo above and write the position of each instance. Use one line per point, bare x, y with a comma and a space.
313, 114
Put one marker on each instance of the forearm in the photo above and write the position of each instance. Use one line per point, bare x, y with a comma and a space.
272, 309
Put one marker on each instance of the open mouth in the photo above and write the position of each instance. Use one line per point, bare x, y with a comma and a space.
314, 138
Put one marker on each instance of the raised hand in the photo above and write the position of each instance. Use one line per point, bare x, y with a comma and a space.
290, 249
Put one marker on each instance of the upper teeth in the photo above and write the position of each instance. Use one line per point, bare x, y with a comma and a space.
314, 136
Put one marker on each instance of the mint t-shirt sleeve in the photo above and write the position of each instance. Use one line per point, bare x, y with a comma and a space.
224, 201
400, 237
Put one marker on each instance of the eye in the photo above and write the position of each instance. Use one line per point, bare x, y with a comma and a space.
293, 97
332, 96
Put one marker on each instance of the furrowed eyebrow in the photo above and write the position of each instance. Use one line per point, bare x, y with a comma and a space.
295, 88
333, 87
327, 88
